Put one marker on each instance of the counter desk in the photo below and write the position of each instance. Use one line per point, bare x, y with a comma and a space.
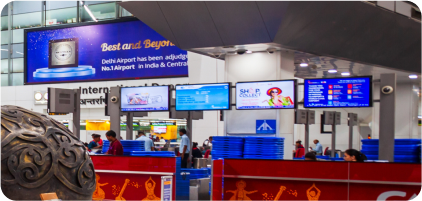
134, 177
255, 179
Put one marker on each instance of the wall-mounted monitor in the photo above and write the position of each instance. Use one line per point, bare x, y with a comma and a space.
338, 92
203, 97
143, 99
160, 129
279, 94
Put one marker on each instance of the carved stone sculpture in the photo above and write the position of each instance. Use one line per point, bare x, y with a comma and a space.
40, 155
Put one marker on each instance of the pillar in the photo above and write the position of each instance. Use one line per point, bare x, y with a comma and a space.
260, 66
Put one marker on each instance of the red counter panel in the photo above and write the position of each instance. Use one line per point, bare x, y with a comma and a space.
257, 189
132, 163
217, 180
395, 172
382, 192
286, 168
112, 186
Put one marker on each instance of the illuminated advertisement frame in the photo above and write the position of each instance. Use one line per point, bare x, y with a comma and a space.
295, 102
29, 79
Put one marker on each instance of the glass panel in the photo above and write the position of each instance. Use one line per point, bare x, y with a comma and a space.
17, 65
125, 13
4, 67
4, 52
94, 2
17, 50
17, 36
4, 23
5, 10
4, 37
4, 79
27, 20
51, 5
100, 11
20, 7
61, 16
17, 79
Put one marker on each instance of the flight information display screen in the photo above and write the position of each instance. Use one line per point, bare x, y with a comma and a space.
143, 99
338, 92
203, 97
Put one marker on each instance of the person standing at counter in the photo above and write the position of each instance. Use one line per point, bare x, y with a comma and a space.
310, 156
116, 147
300, 150
196, 153
94, 144
149, 146
185, 147
318, 148
354, 155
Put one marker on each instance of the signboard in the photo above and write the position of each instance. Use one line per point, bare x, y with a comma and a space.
338, 92
266, 126
118, 50
166, 182
279, 94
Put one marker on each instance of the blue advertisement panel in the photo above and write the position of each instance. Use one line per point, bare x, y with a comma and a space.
112, 51
143, 99
338, 92
203, 97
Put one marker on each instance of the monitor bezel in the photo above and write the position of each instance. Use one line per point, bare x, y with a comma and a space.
229, 96
294, 95
371, 100
168, 102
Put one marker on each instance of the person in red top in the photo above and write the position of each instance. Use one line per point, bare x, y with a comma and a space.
300, 150
116, 147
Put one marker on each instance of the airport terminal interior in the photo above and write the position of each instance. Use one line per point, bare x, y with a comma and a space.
211, 100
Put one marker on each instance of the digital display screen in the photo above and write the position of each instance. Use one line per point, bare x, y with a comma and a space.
338, 92
266, 95
203, 97
155, 98
160, 129
116, 50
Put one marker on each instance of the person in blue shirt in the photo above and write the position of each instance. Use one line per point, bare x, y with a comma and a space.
94, 143
149, 145
184, 147
318, 148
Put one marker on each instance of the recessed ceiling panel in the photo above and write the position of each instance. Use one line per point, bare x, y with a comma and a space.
191, 23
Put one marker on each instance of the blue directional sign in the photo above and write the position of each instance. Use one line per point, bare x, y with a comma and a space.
266, 126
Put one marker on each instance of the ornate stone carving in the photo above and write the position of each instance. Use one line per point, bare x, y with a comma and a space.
40, 155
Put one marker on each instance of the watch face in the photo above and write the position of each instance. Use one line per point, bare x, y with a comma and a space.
63, 53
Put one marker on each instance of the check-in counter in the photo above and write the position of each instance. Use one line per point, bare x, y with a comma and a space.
254, 179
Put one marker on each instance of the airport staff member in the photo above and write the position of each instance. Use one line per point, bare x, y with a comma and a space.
149, 145
184, 147
116, 147
318, 148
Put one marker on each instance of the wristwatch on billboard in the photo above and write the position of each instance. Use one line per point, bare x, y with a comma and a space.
63, 53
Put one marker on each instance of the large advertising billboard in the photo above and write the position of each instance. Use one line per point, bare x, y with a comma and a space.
266, 95
109, 51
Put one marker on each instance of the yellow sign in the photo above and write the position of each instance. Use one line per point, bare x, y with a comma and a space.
53, 113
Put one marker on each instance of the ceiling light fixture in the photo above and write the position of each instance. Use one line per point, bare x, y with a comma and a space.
413, 76
248, 51
303, 65
345, 73
38, 96
332, 71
